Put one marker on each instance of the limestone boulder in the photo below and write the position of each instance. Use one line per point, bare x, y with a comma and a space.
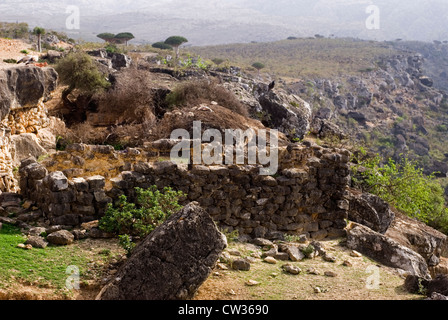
61, 238
25, 86
288, 113
428, 242
24, 146
172, 262
371, 211
385, 250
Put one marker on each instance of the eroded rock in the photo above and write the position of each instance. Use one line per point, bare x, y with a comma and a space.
386, 250
172, 262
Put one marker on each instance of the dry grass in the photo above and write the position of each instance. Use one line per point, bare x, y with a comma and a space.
130, 100
192, 93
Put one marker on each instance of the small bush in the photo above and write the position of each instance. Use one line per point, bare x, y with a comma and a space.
139, 219
406, 187
79, 71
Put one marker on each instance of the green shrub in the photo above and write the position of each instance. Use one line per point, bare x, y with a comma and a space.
139, 219
79, 71
406, 187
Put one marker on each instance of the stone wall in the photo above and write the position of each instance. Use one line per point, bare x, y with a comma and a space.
306, 196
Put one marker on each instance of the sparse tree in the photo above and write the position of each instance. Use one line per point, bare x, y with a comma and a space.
124, 36
258, 66
176, 42
162, 45
106, 36
39, 32
78, 71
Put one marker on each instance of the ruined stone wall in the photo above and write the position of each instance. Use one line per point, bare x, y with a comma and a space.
306, 196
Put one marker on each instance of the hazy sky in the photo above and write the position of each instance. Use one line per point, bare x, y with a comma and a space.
220, 21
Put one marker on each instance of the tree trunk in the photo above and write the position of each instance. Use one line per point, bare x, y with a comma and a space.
39, 42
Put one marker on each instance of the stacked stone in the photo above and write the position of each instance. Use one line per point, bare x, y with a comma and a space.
308, 200
63, 202
307, 196
8, 182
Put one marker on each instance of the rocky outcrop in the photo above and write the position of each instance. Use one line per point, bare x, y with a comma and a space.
23, 91
172, 262
435, 289
428, 242
24, 146
22, 87
288, 113
385, 250
371, 211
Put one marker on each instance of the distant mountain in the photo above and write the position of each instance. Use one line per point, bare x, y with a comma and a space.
227, 21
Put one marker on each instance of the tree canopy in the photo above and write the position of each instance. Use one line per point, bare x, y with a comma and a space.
106, 36
162, 45
176, 42
38, 31
124, 36
119, 38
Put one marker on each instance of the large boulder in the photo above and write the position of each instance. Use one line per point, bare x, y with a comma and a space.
120, 61
385, 250
24, 86
26, 145
371, 211
172, 262
288, 113
428, 242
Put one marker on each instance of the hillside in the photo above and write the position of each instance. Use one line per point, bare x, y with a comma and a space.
88, 144
374, 91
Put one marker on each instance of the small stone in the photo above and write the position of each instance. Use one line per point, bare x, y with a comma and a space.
232, 292
317, 290
252, 283
291, 269
37, 242
62, 237
274, 275
21, 246
256, 255
262, 242
313, 271
355, 254
347, 263
271, 252
27, 204
270, 260
282, 256
294, 253
241, 265
330, 274
329, 257
28, 247
235, 253
225, 257
222, 266
36, 231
